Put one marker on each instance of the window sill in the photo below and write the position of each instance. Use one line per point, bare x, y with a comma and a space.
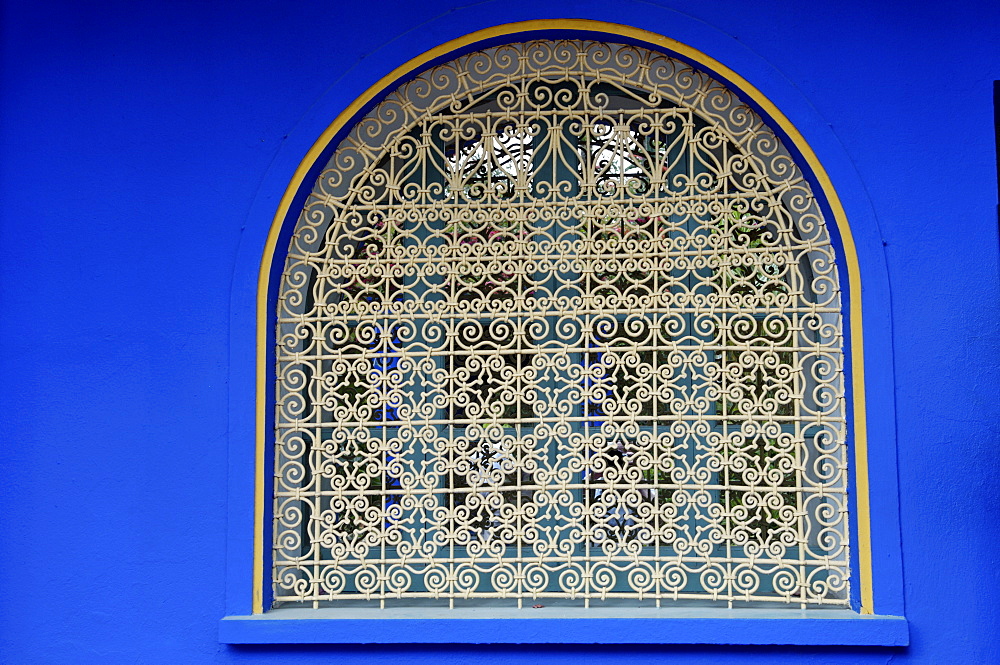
565, 626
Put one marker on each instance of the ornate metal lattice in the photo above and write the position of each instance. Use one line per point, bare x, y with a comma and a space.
560, 320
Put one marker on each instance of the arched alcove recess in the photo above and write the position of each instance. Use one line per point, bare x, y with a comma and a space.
560, 319
842, 243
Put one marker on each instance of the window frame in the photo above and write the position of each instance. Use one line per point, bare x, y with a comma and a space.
246, 622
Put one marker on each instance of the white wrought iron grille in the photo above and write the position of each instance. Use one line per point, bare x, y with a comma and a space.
560, 320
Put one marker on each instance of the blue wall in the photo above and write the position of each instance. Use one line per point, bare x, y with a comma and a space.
140, 143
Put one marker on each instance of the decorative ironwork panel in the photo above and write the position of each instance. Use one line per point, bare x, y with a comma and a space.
560, 320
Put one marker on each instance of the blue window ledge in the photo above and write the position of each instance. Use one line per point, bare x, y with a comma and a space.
565, 626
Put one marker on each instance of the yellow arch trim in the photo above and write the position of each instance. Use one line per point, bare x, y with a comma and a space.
611, 29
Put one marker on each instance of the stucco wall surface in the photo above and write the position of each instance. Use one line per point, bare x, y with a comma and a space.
139, 143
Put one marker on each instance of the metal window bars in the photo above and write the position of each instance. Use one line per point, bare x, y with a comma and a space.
560, 320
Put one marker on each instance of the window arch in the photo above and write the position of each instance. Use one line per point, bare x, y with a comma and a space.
560, 320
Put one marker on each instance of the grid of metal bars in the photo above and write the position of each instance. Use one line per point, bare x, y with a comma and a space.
560, 320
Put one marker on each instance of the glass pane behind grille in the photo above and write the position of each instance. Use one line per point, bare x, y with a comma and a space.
560, 321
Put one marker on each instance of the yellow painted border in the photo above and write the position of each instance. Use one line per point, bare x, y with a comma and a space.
611, 29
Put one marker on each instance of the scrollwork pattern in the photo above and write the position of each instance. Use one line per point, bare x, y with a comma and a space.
560, 320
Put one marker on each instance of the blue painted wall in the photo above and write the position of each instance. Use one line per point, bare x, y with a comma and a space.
140, 143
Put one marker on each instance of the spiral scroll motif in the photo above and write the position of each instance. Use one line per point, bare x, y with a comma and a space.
560, 320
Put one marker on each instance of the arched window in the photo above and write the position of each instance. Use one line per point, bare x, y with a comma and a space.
561, 321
